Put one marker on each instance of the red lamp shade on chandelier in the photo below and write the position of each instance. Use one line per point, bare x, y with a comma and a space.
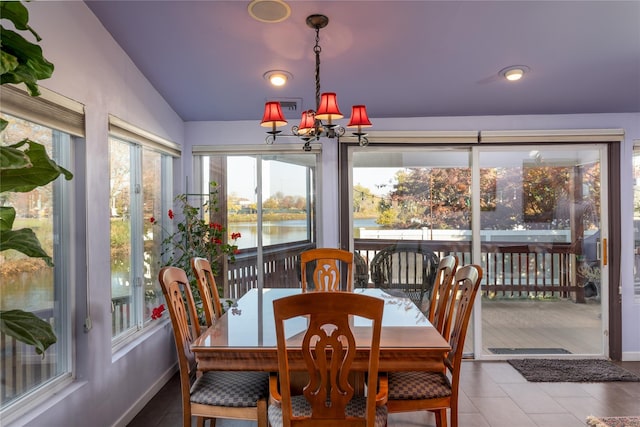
307, 122
328, 108
359, 117
273, 116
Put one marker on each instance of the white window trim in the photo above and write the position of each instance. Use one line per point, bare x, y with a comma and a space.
128, 132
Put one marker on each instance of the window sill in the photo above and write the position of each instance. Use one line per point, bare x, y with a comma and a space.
129, 343
35, 404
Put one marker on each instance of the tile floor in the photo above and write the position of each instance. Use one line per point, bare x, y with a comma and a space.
493, 394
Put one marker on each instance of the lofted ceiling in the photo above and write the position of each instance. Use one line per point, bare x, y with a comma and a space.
400, 58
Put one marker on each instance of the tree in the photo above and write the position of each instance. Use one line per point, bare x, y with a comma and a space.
535, 196
430, 197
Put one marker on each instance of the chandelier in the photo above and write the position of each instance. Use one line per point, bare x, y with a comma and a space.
318, 122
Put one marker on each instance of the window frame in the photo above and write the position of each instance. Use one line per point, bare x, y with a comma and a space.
141, 141
66, 120
262, 152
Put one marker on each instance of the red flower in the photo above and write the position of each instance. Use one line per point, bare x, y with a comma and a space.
152, 220
235, 236
170, 214
236, 251
217, 241
157, 312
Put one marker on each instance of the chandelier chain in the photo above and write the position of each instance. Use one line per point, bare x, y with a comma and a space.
317, 49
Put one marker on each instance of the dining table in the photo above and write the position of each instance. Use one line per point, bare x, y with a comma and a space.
244, 338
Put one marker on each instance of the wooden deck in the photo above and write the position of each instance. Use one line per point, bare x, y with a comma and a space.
563, 324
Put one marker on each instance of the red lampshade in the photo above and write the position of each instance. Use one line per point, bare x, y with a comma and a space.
273, 116
328, 108
359, 117
307, 122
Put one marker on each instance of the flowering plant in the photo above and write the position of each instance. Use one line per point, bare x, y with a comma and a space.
197, 235
157, 312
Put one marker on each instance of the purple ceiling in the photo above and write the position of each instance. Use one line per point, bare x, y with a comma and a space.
400, 58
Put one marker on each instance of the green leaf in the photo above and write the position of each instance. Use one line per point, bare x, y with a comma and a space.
32, 64
25, 241
43, 171
15, 12
27, 328
7, 216
8, 62
12, 158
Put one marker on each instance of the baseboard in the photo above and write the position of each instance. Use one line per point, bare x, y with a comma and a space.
131, 413
631, 356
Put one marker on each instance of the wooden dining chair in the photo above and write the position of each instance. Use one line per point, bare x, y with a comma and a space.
331, 269
328, 346
213, 394
440, 296
438, 391
208, 289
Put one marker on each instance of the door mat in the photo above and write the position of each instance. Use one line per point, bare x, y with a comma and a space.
502, 350
613, 421
571, 370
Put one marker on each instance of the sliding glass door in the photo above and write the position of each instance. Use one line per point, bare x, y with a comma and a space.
540, 235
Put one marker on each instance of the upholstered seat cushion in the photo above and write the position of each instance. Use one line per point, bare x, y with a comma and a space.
301, 407
234, 389
418, 385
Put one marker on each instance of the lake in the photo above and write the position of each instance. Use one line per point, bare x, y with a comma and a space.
276, 232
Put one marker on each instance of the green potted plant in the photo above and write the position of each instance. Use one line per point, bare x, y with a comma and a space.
24, 166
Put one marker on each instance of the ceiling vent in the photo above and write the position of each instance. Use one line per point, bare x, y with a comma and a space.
291, 107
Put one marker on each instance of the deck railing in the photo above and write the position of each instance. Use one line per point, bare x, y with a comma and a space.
21, 368
511, 269
281, 269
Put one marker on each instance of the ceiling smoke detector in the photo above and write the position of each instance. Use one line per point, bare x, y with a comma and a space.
269, 11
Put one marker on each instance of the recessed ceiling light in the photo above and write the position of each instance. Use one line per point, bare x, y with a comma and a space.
514, 73
277, 77
269, 10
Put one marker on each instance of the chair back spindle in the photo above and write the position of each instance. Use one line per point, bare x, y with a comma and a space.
441, 293
207, 288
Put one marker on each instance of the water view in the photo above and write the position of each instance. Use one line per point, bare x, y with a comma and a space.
276, 232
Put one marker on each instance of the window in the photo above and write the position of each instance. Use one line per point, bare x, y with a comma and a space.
269, 197
531, 216
28, 283
140, 190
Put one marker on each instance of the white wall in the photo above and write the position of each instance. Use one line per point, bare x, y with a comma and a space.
249, 132
91, 68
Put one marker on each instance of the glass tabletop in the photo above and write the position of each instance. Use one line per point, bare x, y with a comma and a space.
250, 323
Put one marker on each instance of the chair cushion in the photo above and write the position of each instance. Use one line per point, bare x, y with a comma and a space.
300, 406
418, 385
234, 389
